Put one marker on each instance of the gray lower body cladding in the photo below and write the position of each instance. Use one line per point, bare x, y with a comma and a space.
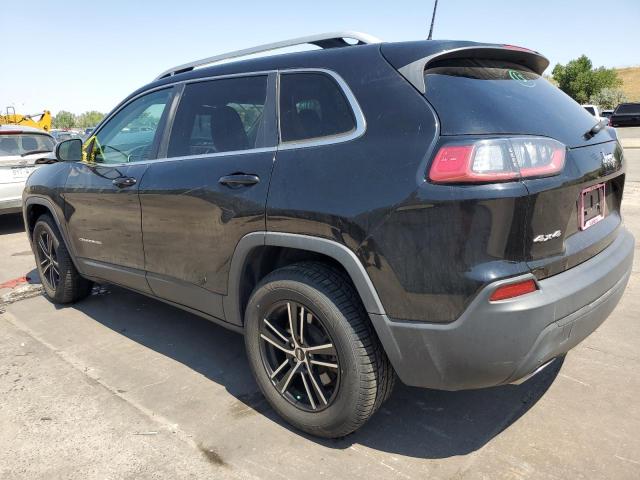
494, 343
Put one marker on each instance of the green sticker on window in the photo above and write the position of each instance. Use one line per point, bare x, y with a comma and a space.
521, 79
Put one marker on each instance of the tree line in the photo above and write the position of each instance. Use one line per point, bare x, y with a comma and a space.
66, 119
585, 84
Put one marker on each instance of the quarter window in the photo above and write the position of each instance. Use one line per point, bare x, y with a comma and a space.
219, 116
312, 105
129, 135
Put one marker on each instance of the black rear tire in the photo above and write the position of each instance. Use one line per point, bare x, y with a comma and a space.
60, 280
354, 373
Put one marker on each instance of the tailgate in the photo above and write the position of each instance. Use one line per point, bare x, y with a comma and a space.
574, 216
496, 93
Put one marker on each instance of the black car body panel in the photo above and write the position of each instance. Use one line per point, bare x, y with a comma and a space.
424, 256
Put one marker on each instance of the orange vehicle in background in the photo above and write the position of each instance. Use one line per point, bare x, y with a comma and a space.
38, 120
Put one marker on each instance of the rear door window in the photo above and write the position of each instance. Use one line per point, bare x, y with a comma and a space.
475, 96
218, 116
312, 106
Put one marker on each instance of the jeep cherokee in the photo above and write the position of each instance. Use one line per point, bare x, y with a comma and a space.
434, 210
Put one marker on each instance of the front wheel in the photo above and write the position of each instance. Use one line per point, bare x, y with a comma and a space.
60, 280
313, 351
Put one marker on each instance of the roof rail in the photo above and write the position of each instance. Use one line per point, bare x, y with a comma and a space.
322, 40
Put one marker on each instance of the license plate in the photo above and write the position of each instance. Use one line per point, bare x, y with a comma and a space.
21, 173
592, 205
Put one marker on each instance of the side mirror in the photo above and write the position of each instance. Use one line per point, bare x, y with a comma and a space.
69, 150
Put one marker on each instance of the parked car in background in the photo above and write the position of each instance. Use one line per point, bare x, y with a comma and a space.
626, 115
20, 149
62, 135
593, 110
352, 227
606, 113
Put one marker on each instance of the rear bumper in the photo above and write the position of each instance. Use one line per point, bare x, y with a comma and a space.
494, 343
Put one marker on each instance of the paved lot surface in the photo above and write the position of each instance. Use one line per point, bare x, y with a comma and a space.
122, 386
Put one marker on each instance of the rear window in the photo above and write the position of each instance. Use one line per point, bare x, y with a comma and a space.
591, 110
24, 144
628, 108
475, 96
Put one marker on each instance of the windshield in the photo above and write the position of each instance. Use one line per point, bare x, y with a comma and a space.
476, 96
591, 110
629, 108
11, 145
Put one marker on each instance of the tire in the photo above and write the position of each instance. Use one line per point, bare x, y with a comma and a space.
60, 280
342, 375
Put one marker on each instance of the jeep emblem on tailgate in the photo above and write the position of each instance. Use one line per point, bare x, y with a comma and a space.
609, 163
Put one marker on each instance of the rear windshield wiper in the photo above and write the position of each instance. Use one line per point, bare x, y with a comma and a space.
596, 128
34, 151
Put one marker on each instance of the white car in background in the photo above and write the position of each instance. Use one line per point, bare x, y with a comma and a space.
22, 150
594, 110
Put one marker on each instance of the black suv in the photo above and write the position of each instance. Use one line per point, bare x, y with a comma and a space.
626, 115
431, 209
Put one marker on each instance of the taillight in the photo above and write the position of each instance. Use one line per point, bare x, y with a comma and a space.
496, 160
512, 290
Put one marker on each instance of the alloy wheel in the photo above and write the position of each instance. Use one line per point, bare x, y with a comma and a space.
47, 256
299, 356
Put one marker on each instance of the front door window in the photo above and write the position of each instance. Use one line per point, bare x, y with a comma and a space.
131, 134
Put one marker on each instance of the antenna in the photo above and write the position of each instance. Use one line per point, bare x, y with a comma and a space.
433, 18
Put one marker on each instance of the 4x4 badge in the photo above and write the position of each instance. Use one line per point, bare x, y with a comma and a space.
547, 237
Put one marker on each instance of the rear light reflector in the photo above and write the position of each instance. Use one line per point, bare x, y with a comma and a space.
498, 159
512, 290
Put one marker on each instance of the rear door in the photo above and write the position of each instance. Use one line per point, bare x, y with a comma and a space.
571, 215
101, 193
210, 190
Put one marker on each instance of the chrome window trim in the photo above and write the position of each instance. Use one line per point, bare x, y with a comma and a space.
361, 122
185, 157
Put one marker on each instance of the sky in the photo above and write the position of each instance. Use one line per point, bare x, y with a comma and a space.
88, 55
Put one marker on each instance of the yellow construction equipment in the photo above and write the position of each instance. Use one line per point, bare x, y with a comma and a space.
38, 120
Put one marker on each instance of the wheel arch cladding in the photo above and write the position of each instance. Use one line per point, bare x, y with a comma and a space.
273, 247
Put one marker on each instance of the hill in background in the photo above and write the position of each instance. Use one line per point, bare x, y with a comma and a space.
630, 82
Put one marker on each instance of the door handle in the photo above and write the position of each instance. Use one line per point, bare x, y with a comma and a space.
124, 182
239, 179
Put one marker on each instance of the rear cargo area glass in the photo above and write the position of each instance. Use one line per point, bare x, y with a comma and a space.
475, 96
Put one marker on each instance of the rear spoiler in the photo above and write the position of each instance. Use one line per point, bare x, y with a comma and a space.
414, 71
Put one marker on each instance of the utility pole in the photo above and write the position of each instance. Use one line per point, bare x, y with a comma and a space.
433, 18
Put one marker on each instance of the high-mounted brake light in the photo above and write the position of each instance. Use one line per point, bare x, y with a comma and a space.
518, 48
497, 160
512, 290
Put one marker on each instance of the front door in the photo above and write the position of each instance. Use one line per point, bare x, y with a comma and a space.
211, 189
101, 193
